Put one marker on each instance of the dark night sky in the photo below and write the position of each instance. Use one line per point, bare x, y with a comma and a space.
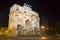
44, 8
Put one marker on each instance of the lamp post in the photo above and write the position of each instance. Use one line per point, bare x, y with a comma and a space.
43, 30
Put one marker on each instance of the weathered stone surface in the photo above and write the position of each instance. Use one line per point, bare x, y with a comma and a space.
25, 18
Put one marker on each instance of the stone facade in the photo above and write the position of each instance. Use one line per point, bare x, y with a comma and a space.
23, 20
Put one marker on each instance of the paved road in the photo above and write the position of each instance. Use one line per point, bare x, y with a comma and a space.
31, 38
19, 38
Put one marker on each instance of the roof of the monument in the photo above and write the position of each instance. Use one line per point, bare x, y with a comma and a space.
16, 5
26, 6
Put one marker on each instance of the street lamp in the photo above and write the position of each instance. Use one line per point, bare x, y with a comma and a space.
43, 30
42, 27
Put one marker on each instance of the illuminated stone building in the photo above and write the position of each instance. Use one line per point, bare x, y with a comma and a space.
23, 20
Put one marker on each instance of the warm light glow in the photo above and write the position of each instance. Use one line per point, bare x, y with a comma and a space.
6, 31
10, 26
42, 27
43, 37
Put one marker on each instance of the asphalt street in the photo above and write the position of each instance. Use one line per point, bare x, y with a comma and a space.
31, 38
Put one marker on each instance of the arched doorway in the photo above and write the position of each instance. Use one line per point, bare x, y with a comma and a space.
28, 27
20, 29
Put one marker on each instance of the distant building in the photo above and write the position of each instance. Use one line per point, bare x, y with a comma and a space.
23, 20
